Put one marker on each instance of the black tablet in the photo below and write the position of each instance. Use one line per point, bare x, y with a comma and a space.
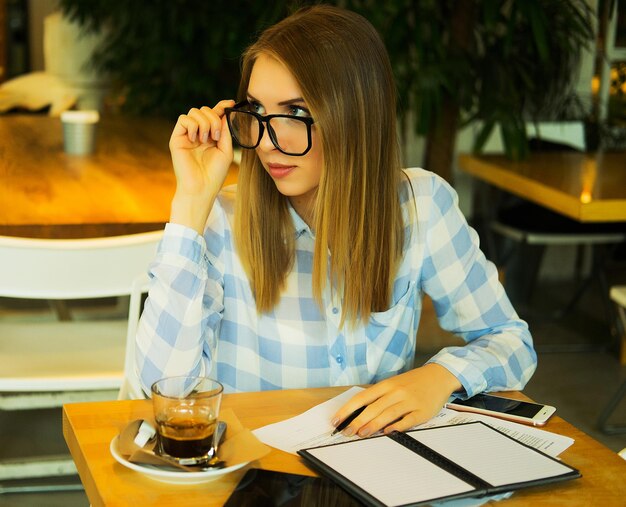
266, 488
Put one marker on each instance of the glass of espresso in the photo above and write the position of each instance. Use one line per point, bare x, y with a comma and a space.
186, 410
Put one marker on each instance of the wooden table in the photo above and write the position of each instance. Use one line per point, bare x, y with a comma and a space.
126, 186
89, 428
585, 187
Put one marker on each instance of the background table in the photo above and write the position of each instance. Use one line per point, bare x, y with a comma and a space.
89, 428
126, 186
585, 187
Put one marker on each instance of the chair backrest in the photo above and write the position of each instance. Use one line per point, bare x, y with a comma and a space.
80, 269
74, 268
131, 386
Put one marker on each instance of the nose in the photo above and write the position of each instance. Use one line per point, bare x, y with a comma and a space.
266, 143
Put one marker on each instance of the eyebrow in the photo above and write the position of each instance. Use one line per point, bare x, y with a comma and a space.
297, 100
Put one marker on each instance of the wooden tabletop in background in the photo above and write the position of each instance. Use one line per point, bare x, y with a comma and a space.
588, 187
126, 186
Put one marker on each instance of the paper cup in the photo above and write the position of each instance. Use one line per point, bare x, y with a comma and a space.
79, 131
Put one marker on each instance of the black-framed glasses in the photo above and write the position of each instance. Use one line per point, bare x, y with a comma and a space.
290, 134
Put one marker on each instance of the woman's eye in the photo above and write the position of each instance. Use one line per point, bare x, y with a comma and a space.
255, 107
298, 111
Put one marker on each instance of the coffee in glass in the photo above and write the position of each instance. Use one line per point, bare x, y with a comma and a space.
186, 411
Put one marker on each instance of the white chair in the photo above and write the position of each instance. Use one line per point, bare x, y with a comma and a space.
47, 364
131, 386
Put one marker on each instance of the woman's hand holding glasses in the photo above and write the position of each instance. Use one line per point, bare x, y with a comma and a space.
202, 151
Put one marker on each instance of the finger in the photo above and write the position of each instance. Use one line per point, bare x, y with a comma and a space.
186, 126
366, 397
354, 421
207, 121
225, 142
218, 113
357, 401
373, 417
222, 105
382, 414
407, 422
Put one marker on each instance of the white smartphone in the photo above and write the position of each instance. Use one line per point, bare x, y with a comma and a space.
505, 408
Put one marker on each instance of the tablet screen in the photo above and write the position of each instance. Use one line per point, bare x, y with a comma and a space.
265, 488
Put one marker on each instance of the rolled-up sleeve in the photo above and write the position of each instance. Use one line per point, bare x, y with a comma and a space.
471, 303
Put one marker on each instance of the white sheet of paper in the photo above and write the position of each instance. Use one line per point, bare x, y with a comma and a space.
309, 429
312, 428
508, 462
550, 443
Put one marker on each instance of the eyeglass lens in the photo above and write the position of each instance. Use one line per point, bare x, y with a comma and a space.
288, 134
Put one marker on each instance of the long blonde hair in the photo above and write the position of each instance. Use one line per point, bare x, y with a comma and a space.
343, 70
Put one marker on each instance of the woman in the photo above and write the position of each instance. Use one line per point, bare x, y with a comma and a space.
311, 272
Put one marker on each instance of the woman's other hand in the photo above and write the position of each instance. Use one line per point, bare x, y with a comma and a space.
202, 152
400, 402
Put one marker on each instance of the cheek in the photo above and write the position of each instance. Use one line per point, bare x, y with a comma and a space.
314, 166
316, 161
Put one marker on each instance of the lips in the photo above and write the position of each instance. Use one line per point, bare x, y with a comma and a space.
278, 171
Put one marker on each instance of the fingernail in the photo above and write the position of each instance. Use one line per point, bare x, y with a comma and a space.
364, 433
216, 135
335, 422
348, 432
205, 137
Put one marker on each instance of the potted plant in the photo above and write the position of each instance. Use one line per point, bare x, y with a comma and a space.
164, 57
500, 63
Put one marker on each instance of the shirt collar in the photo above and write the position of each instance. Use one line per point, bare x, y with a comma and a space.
299, 225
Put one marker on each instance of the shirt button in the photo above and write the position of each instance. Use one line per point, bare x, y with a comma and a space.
335, 310
339, 359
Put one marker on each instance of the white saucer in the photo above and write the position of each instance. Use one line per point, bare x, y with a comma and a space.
171, 476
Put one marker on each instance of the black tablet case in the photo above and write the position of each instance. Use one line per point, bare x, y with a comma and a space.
480, 486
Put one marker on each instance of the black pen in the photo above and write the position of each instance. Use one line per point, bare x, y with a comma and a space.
344, 424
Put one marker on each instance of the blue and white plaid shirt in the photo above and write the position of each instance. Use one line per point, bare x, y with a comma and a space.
200, 316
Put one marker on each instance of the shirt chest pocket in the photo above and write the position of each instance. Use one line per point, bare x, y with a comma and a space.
390, 336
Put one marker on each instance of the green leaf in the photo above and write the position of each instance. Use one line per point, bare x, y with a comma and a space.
483, 136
